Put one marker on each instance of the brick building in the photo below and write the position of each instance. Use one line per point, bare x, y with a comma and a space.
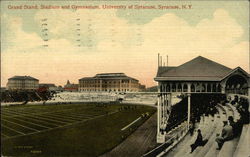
22, 83
109, 82
70, 87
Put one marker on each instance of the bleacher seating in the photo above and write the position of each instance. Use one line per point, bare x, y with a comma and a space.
206, 125
237, 147
140, 98
174, 118
242, 148
236, 114
202, 151
209, 150
228, 148
25, 96
104, 96
82, 96
208, 131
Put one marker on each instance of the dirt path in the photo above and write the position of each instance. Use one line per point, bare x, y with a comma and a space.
141, 141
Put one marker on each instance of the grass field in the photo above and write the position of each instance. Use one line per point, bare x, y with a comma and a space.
67, 130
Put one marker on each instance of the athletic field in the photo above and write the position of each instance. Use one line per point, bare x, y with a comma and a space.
68, 129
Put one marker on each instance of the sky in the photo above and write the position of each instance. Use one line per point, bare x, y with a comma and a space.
84, 42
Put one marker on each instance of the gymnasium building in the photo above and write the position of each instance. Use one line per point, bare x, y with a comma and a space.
109, 82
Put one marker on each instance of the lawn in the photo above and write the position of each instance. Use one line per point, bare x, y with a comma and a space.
69, 129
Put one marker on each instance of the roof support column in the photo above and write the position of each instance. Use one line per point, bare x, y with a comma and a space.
160, 114
100, 85
120, 83
217, 85
164, 109
223, 87
159, 111
160, 136
189, 104
129, 85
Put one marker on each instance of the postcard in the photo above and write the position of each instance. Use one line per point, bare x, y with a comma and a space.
125, 78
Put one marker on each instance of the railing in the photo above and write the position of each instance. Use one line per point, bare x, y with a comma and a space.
170, 143
178, 123
159, 149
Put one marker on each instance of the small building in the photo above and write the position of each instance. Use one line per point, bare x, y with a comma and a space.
59, 88
142, 88
22, 83
47, 86
70, 87
109, 82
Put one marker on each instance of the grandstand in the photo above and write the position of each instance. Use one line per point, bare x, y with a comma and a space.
179, 138
205, 86
24, 96
49, 97
210, 127
137, 97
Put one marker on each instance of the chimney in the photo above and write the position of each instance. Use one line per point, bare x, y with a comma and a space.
167, 60
158, 60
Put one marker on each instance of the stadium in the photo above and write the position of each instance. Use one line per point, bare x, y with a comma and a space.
198, 95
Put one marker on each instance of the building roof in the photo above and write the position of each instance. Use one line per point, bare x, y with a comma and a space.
109, 76
199, 68
23, 78
47, 84
238, 69
87, 78
162, 70
71, 86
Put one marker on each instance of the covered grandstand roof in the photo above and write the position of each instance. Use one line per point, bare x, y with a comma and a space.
22, 78
199, 68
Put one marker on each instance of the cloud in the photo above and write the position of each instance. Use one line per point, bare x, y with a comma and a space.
15, 38
102, 24
131, 49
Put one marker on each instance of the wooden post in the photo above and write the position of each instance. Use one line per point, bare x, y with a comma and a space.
189, 108
159, 111
189, 104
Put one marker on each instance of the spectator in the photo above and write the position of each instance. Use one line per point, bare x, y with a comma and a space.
242, 108
192, 127
226, 135
198, 142
233, 124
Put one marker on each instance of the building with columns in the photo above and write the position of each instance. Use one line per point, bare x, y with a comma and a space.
200, 75
109, 82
